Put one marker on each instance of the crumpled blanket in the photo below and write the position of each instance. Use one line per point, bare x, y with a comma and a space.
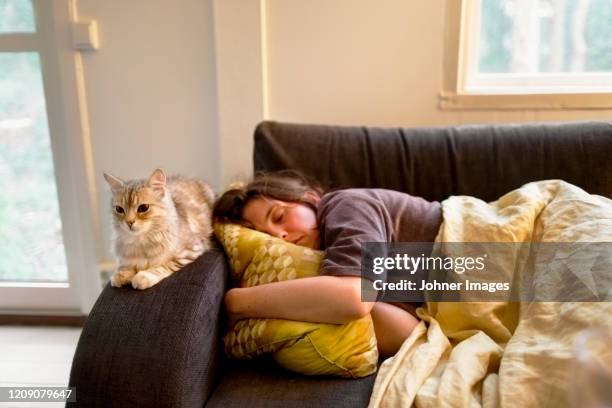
505, 354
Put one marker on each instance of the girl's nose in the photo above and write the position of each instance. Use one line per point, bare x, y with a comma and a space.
279, 233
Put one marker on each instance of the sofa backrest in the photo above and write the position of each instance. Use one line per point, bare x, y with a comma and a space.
484, 161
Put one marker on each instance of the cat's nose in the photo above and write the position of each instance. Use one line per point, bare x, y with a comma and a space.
130, 223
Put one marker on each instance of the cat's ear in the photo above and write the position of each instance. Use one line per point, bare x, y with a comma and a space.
157, 179
114, 182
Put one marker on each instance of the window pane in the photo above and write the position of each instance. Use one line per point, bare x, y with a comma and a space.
16, 16
31, 243
531, 36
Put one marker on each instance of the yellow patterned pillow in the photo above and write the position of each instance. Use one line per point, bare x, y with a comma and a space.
345, 350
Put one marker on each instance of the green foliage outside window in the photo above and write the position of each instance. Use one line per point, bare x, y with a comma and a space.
498, 22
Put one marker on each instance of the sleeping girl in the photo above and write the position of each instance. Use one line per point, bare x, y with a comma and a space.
288, 206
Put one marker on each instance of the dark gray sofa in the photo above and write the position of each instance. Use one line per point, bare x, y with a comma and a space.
161, 347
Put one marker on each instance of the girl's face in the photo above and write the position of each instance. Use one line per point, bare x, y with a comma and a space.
293, 222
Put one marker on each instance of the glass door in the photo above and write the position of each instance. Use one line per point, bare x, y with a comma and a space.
35, 266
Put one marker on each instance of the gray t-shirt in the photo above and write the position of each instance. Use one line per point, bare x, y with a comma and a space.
347, 218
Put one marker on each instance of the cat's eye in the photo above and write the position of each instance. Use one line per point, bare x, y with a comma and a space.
143, 208
119, 209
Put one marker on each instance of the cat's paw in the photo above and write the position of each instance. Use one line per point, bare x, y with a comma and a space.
121, 277
144, 280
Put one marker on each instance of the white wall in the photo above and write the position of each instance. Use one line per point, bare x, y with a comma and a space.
355, 61
151, 91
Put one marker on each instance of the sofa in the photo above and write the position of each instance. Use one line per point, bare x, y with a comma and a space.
162, 347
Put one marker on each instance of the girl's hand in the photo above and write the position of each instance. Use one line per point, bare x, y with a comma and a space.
393, 326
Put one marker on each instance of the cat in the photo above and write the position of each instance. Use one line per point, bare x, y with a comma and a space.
160, 225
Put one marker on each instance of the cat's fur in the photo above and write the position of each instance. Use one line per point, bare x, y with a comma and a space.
172, 228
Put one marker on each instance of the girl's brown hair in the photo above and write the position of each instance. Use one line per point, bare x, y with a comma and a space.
284, 185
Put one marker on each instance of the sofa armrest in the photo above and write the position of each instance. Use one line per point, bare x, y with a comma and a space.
157, 347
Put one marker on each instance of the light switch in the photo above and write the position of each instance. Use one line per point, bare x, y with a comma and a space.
85, 35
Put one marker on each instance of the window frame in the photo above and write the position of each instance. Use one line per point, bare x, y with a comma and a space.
64, 92
459, 42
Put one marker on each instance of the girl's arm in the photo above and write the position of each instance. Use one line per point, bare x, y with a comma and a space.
321, 299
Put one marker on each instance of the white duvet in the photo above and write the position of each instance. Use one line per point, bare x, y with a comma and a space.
505, 354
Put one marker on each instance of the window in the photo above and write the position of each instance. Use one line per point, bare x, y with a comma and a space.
528, 53
42, 262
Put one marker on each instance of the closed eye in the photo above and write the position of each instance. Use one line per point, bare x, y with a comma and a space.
278, 216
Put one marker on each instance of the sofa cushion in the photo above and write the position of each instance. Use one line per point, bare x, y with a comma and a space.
485, 161
260, 383
346, 350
